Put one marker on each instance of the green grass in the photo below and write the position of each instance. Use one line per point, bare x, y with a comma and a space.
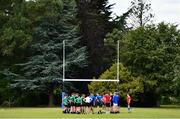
163, 112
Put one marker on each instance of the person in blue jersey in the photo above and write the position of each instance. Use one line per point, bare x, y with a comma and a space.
93, 99
115, 103
99, 103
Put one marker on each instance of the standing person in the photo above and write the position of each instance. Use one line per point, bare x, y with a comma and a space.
72, 103
99, 103
115, 103
75, 101
83, 104
88, 104
111, 103
129, 99
69, 105
92, 104
78, 104
65, 103
104, 101
108, 101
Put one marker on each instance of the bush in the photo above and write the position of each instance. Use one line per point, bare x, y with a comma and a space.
127, 83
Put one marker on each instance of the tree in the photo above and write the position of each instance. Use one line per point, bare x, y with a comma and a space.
140, 13
120, 22
94, 18
3, 89
21, 17
127, 83
42, 71
176, 76
15, 35
150, 51
110, 42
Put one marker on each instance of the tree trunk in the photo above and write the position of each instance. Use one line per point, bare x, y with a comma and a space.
158, 98
158, 103
141, 14
51, 99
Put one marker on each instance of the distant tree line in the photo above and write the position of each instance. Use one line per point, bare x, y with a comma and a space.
31, 45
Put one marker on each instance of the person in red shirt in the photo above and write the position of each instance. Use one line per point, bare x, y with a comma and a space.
108, 101
129, 99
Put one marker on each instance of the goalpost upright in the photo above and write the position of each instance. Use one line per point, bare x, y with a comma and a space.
118, 60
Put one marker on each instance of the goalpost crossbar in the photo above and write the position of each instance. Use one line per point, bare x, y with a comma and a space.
91, 80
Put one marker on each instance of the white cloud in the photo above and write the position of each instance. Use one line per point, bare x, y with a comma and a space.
165, 10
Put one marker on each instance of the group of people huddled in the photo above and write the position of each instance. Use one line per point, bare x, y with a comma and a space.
84, 104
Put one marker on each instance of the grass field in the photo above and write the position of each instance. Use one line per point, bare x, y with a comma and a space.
48, 113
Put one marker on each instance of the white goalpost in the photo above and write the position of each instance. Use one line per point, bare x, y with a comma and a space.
85, 80
89, 80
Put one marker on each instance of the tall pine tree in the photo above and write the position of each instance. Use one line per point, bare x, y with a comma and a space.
94, 16
43, 70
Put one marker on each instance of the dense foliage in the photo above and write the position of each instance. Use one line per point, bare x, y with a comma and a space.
127, 83
152, 52
41, 71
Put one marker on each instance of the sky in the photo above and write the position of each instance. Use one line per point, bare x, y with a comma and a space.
164, 10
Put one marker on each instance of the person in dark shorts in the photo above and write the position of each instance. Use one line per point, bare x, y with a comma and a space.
83, 104
99, 103
72, 103
78, 104
111, 102
88, 100
69, 105
108, 101
93, 99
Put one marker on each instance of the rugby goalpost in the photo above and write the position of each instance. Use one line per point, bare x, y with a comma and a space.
89, 80
85, 80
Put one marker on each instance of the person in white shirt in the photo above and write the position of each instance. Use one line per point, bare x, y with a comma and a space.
88, 100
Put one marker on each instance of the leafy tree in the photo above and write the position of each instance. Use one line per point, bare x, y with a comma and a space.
110, 42
14, 40
140, 13
150, 51
36, 10
21, 18
15, 34
127, 83
175, 87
